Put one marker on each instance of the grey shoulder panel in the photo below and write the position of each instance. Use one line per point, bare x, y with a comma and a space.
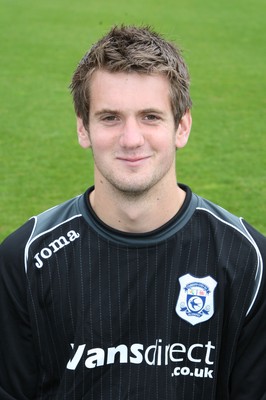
55, 216
220, 213
50, 219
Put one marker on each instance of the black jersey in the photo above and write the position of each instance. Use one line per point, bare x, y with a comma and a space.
89, 312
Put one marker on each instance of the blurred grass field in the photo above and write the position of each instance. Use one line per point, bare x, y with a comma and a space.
41, 44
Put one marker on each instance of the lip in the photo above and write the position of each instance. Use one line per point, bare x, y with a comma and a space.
133, 160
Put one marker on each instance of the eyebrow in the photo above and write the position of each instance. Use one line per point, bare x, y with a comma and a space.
105, 111
152, 111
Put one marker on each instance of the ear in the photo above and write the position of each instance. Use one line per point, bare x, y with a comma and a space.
83, 135
183, 130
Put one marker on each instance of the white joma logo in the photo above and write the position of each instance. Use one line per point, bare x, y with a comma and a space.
54, 246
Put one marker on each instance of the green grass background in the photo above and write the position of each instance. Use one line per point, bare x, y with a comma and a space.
41, 44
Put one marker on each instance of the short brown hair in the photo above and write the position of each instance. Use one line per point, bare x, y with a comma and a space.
133, 49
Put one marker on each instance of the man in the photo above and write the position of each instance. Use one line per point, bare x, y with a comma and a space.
139, 288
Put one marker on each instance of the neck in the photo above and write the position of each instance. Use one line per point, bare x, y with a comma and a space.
137, 214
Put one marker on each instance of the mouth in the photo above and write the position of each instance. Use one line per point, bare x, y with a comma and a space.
133, 160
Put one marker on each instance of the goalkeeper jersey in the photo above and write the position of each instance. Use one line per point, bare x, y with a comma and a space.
90, 312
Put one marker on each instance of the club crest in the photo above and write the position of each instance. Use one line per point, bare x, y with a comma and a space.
195, 303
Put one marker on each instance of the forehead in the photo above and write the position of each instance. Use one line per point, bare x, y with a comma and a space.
122, 89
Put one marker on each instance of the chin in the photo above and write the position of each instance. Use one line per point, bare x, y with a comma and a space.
133, 189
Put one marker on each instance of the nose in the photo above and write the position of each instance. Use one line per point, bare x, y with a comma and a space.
132, 135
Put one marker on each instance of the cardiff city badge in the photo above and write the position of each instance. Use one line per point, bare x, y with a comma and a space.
195, 303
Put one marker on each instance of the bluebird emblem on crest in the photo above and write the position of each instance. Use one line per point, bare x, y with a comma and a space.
195, 303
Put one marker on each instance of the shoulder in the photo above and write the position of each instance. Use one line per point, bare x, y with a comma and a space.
231, 227
239, 243
55, 216
14, 247
222, 217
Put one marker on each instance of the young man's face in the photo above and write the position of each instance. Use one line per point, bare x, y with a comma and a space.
132, 131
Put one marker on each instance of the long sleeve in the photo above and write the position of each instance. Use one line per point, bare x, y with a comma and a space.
18, 367
248, 378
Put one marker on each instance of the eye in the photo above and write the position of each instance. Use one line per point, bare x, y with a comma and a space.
151, 117
110, 118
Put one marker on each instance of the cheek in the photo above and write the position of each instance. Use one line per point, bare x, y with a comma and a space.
167, 142
102, 144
